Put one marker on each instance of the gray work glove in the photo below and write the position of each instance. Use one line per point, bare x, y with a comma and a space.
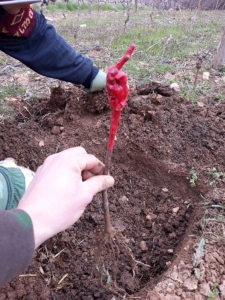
99, 82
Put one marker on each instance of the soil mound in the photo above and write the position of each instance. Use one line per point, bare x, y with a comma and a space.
161, 139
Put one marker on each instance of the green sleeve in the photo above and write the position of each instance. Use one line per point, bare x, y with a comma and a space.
16, 243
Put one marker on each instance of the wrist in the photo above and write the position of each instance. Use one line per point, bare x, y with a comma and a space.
41, 231
99, 82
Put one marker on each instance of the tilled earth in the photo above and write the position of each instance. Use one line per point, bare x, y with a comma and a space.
161, 139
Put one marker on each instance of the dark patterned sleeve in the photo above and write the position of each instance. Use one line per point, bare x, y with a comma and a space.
16, 243
45, 51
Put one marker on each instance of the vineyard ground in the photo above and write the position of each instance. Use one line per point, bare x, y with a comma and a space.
168, 162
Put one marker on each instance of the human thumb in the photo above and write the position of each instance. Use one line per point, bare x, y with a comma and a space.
99, 183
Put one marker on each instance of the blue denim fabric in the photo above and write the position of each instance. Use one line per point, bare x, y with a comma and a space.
48, 54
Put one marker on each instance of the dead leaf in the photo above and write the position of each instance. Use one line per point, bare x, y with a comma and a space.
201, 104
10, 99
39, 78
143, 64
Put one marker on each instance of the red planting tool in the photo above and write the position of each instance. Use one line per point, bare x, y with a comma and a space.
117, 88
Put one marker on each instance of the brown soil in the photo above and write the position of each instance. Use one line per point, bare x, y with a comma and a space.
160, 139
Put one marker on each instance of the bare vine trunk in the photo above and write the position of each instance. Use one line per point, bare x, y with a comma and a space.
191, 4
158, 5
89, 6
136, 5
219, 58
98, 5
78, 10
199, 6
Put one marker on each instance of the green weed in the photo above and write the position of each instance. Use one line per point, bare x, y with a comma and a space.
5, 109
169, 44
11, 90
213, 175
214, 292
193, 176
188, 91
219, 97
197, 257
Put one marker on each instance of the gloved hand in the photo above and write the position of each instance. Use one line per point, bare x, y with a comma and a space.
99, 82
14, 181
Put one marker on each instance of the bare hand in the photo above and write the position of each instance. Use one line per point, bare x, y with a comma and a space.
61, 189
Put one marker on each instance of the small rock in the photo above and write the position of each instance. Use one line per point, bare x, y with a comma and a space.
204, 288
175, 209
175, 87
179, 292
222, 289
148, 217
55, 130
150, 114
205, 76
143, 246
170, 250
168, 263
61, 128
112, 208
174, 275
169, 291
191, 283
97, 295
172, 235
210, 258
198, 296
171, 285
41, 143
200, 104
123, 199
218, 258
59, 121
165, 190
159, 98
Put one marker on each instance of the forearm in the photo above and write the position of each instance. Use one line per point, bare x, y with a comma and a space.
16, 243
48, 54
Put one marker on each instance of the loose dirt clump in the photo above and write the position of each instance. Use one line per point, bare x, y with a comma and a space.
161, 139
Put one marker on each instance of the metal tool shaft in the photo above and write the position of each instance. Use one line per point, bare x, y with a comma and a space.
18, 2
